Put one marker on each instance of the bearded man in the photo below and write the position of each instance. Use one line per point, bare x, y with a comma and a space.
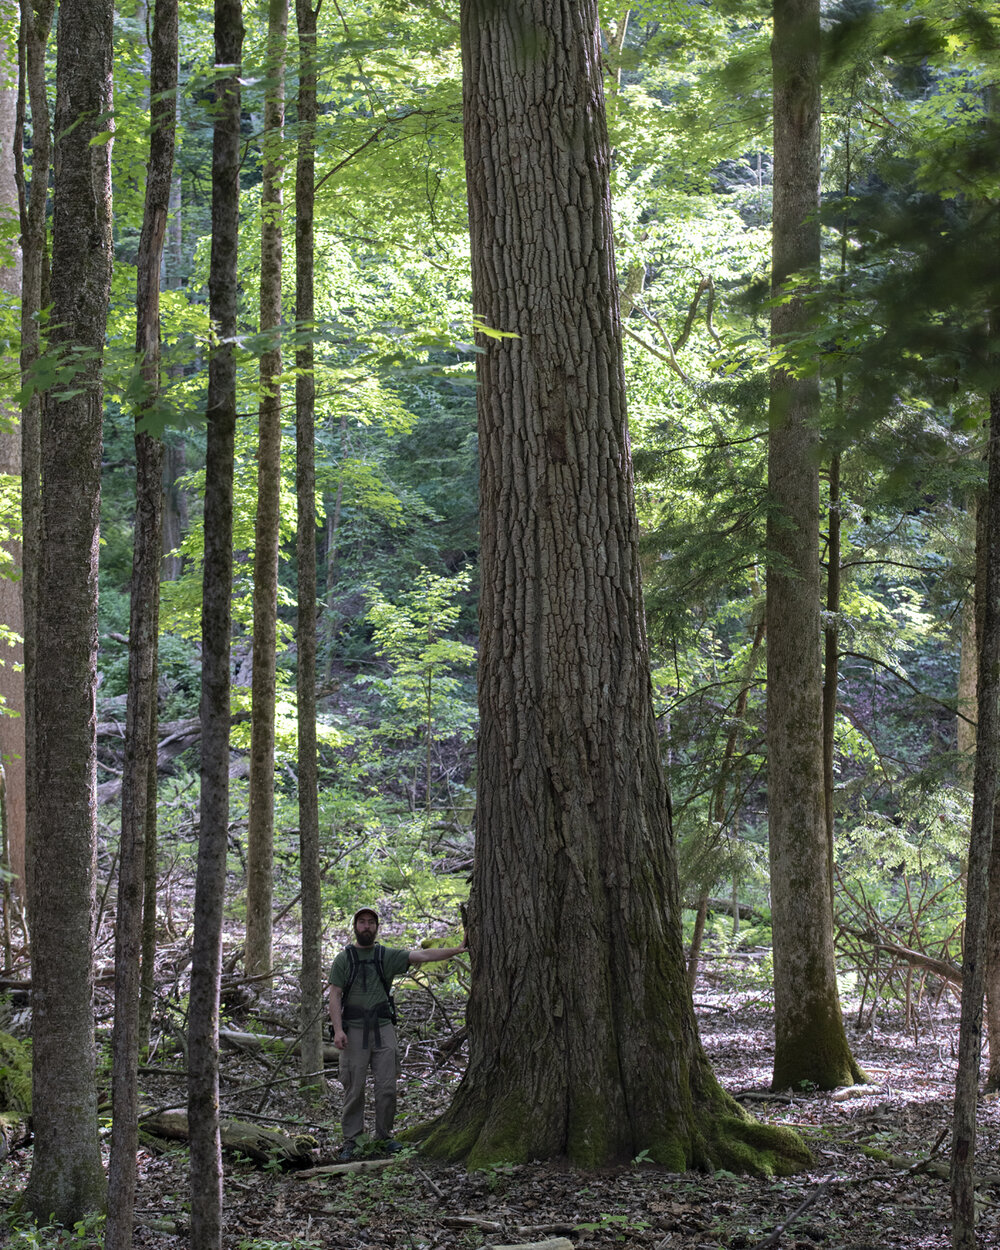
363, 1015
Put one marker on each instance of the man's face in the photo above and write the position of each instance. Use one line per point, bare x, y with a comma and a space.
365, 928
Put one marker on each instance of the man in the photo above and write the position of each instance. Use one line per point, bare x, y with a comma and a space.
363, 1025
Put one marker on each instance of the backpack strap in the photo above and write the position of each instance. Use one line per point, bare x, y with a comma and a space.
352, 971
380, 969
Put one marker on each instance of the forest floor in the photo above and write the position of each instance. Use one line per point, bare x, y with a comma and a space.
874, 1184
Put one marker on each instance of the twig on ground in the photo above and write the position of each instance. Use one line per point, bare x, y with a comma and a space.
804, 1205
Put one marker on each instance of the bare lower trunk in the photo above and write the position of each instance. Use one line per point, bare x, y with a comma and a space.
305, 629
963, 1193
140, 729
993, 968
210, 884
810, 1042
67, 1178
582, 1035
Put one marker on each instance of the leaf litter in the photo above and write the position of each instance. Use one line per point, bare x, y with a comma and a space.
878, 1180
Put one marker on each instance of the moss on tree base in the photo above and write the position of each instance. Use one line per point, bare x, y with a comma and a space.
724, 1137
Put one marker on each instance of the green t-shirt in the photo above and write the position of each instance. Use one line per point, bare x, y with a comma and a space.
367, 989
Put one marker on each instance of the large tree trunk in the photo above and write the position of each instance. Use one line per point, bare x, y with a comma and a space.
216, 620
311, 981
810, 1042
582, 1035
11, 588
260, 834
139, 772
67, 1179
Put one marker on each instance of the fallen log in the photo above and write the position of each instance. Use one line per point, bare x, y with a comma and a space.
337, 1169
275, 1045
554, 1243
724, 906
263, 1145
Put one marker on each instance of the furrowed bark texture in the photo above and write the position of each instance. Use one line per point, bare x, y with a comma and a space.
139, 773
260, 835
216, 619
582, 1036
810, 1042
36, 25
67, 1178
963, 1151
306, 625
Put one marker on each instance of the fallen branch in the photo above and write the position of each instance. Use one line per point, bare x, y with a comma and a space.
775, 1237
943, 968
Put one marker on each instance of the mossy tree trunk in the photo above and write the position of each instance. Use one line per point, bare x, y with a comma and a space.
139, 774
810, 1042
582, 1035
67, 1178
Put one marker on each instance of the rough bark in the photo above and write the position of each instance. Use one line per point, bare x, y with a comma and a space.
67, 1179
810, 1042
966, 722
210, 882
583, 1041
963, 1205
260, 834
36, 24
993, 970
11, 588
139, 773
306, 626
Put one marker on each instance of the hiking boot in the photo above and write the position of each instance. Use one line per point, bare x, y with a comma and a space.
390, 1147
347, 1152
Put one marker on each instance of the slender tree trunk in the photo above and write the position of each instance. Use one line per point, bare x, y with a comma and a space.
210, 884
67, 1179
810, 1042
311, 981
36, 23
139, 773
260, 835
11, 588
993, 968
582, 1034
980, 852
831, 654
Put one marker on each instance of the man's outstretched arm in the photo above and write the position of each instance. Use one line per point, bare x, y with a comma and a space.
433, 954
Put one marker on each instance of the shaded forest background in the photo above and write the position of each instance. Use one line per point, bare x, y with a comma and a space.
899, 331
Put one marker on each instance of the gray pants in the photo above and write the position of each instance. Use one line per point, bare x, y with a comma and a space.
355, 1061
